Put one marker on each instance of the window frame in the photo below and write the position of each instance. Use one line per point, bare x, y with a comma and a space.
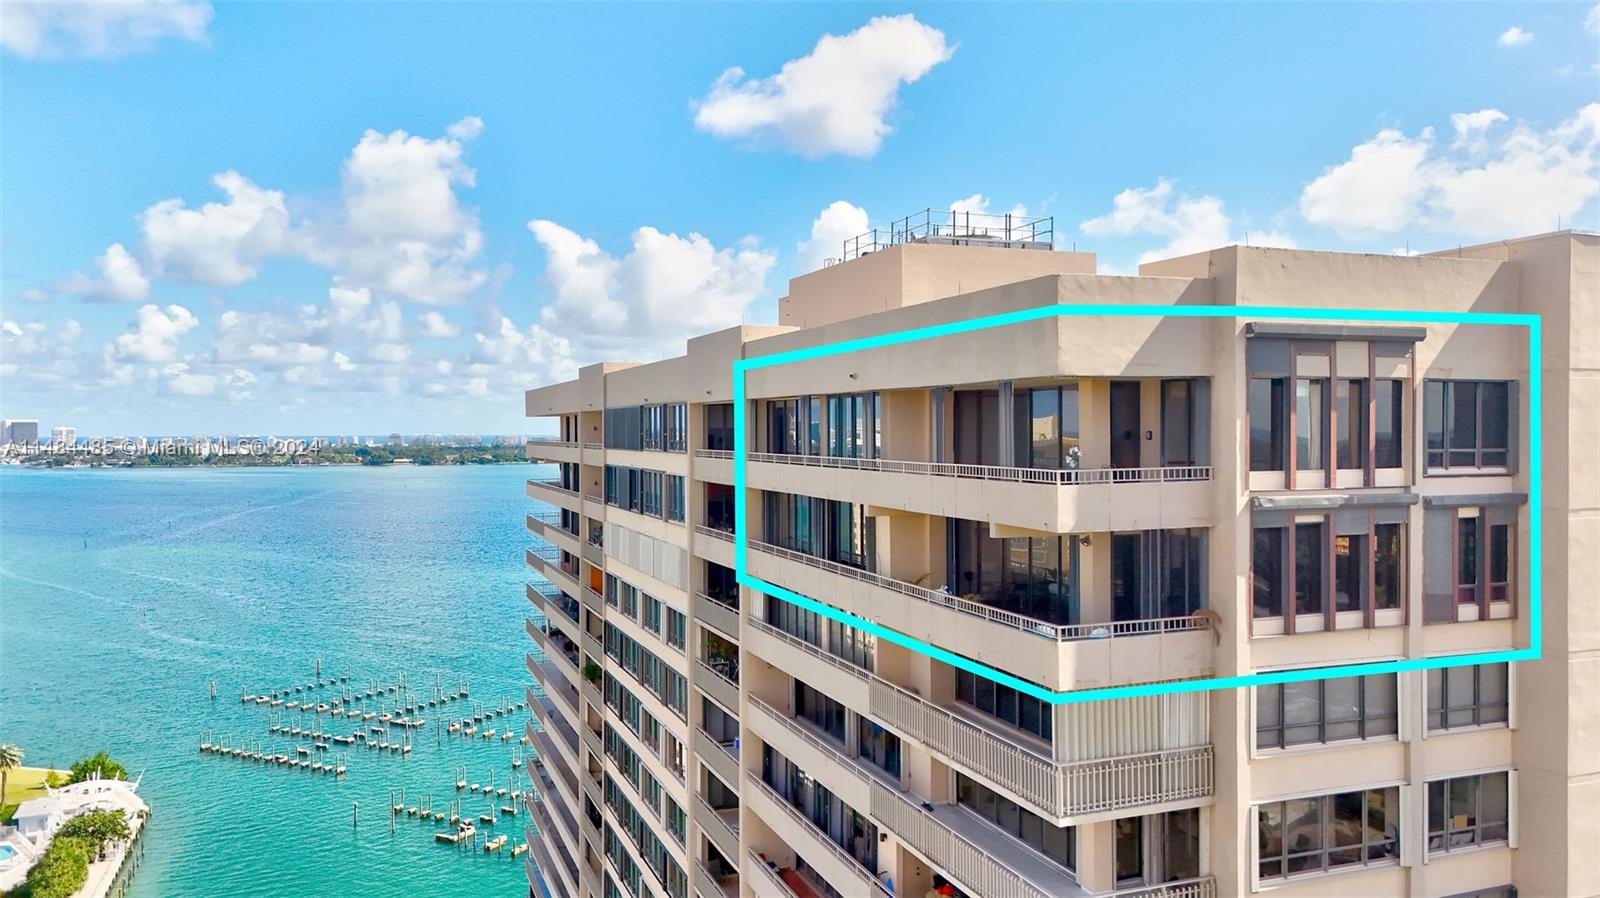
1441, 461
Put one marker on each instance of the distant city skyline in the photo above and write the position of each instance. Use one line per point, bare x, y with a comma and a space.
265, 253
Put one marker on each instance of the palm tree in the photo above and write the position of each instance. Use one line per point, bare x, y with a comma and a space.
10, 759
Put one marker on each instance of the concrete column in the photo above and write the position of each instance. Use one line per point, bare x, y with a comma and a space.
1097, 856
1005, 432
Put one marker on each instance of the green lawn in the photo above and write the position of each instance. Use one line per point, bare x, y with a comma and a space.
22, 784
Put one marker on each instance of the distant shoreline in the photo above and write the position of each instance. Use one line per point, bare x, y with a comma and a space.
365, 456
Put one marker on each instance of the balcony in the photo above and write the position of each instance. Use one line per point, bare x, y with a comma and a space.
547, 561
547, 526
713, 465
835, 864
1119, 749
1072, 500
719, 687
720, 826
714, 544
554, 451
716, 614
550, 490
719, 758
707, 885
1061, 657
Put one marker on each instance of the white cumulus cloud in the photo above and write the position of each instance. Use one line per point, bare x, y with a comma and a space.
837, 222
121, 279
836, 99
219, 243
98, 28
1514, 36
1189, 224
155, 334
665, 289
1493, 181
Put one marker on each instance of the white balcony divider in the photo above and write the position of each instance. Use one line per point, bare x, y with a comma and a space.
1032, 625
976, 870
1055, 476
755, 782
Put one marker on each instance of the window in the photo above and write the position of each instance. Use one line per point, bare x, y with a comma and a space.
1309, 422
822, 710
1468, 811
823, 528
1483, 569
1388, 559
652, 614
1328, 832
1468, 696
1468, 423
674, 498
879, 746
719, 426
855, 423
675, 439
1035, 577
1268, 423
1177, 422
1308, 592
1326, 711
719, 507
1266, 569
1054, 842
1045, 420
1012, 706
677, 627
1387, 423
1349, 572
1350, 406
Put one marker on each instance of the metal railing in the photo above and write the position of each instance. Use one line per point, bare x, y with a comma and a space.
1030, 625
805, 823
833, 751
814, 651
720, 615
774, 881
1201, 887
938, 226
552, 443
714, 533
1053, 476
709, 819
976, 869
713, 453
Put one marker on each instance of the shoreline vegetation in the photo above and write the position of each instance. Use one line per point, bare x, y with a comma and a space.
371, 456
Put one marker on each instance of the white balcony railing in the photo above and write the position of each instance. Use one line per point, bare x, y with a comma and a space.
976, 869
821, 838
1023, 623
713, 453
713, 532
1057, 788
772, 884
1053, 476
558, 444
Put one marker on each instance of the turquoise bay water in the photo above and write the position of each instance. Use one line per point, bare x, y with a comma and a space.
124, 593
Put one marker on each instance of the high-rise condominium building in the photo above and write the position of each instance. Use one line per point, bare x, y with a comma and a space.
64, 436
1073, 503
19, 432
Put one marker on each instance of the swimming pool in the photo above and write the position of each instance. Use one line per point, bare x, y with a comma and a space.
6, 854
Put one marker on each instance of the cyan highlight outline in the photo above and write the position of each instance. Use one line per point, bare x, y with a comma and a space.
1410, 316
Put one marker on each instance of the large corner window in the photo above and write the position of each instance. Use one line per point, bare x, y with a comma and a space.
719, 427
1308, 836
1033, 576
822, 528
1000, 701
1468, 424
1046, 423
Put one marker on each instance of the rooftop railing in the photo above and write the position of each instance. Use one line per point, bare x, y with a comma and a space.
956, 227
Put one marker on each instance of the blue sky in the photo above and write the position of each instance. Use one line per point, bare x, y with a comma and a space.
416, 211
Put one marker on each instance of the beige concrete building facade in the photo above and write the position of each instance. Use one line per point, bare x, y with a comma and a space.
1080, 502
